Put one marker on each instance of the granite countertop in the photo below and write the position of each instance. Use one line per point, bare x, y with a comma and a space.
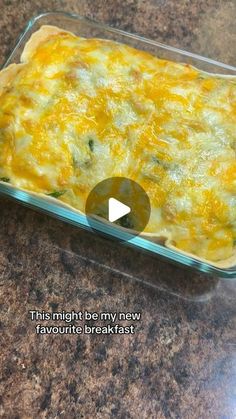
181, 360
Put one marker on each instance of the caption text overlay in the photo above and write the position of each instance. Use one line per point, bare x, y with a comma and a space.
75, 322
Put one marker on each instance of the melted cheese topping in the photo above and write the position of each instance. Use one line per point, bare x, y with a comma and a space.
82, 110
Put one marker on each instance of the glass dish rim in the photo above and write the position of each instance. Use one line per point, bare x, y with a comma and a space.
69, 216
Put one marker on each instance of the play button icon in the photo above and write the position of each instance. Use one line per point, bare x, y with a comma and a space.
116, 209
120, 203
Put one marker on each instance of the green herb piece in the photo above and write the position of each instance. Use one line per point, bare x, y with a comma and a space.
5, 179
156, 160
91, 144
166, 165
75, 162
56, 194
126, 222
201, 77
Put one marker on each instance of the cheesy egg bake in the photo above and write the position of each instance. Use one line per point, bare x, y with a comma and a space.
76, 111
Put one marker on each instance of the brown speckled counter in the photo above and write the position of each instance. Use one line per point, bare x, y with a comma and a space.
181, 361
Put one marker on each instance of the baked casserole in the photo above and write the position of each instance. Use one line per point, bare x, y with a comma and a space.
76, 111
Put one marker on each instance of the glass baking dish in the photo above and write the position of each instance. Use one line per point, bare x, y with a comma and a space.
88, 28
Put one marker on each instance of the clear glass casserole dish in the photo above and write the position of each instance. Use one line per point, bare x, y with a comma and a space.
87, 28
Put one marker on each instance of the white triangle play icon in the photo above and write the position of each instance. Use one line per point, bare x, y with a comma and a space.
116, 209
